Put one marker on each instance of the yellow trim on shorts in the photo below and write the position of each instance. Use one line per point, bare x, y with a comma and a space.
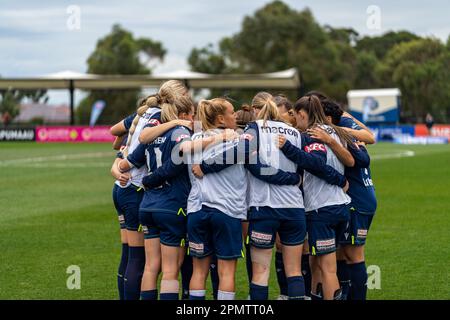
181, 211
183, 243
313, 250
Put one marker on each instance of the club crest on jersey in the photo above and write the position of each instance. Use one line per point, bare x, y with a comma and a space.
181, 137
154, 122
315, 147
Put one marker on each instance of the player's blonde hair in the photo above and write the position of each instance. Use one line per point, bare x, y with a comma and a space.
169, 92
209, 110
269, 110
170, 111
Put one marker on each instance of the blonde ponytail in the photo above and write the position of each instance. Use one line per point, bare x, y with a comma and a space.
209, 110
169, 93
268, 108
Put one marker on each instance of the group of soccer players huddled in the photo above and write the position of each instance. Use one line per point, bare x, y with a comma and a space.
199, 186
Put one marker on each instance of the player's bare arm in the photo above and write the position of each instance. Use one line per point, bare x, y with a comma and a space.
342, 153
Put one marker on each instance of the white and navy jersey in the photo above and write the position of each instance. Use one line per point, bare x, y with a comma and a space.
261, 192
168, 183
224, 190
270, 176
127, 122
318, 193
361, 188
151, 117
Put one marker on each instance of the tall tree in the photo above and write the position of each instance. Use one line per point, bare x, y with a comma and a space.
275, 38
380, 45
118, 53
421, 69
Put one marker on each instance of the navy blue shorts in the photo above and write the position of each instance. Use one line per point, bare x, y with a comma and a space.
170, 228
129, 200
266, 222
357, 229
211, 231
148, 225
326, 226
120, 213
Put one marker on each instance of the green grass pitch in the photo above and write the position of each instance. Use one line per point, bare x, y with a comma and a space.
57, 211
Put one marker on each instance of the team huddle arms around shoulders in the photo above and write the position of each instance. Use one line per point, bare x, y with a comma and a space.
200, 186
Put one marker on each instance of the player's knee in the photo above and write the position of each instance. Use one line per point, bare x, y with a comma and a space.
354, 254
261, 259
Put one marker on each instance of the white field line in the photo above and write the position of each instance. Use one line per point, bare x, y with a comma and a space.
396, 155
64, 165
61, 157
42, 162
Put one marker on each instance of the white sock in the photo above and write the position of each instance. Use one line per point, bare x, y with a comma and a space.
197, 293
224, 295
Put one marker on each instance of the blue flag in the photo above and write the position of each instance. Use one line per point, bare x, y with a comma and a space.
97, 109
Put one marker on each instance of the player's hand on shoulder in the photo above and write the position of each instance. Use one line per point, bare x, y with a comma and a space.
197, 171
320, 134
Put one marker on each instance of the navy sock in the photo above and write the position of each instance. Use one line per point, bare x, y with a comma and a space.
358, 278
133, 274
122, 269
186, 274
168, 296
343, 274
318, 295
296, 288
149, 295
281, 276
248, 263
259, 292
306, 271
214, 276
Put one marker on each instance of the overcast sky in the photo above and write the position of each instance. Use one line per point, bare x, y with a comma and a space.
35, 39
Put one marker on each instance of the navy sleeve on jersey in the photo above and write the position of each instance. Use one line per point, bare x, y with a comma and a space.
347, 122
128, 121
137, 157
313, 159
155, 120
168, 169
361, 156
246, 152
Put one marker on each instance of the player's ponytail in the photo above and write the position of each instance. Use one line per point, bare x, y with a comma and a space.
142, 108
170, 111
312, 106
169, 92
209, 110
269, 111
